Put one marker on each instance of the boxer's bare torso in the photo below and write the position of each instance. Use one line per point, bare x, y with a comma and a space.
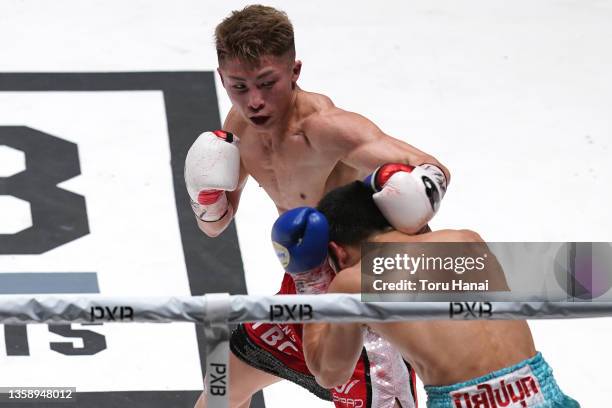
297, 145
297, 165
443, 351
448, 352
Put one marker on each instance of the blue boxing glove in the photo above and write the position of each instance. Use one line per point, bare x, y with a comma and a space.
300, 237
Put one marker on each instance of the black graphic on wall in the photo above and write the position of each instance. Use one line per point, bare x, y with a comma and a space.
58, 216
213, 265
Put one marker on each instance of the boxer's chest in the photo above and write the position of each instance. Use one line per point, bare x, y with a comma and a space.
292, 172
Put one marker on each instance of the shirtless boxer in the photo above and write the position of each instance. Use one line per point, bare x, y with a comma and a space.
462, 364
297, 145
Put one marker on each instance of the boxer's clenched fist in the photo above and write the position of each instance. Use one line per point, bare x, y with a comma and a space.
300, 237
407, 196
212, 167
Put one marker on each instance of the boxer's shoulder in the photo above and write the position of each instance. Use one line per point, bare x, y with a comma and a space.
339, 128
347, 280
313, 108
311, 102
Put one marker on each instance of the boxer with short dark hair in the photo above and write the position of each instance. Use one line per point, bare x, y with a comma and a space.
463, 364
297, 145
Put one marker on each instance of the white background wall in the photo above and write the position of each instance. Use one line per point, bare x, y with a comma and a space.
514, 97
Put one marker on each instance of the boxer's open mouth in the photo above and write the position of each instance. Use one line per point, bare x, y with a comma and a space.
259, 120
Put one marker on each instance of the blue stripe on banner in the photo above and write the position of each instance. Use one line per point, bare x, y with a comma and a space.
17, 283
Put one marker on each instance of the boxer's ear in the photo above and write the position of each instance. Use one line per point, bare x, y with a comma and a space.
295, 72
339, 256
332, 258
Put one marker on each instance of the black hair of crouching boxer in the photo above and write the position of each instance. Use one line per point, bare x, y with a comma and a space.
352, 214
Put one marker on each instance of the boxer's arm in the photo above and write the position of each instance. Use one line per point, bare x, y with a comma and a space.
364, 146
331, 350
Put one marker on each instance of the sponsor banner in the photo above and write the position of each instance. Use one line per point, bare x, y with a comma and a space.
93, 201
129, 237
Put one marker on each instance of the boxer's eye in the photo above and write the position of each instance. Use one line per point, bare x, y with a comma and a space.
239, 87
268, 84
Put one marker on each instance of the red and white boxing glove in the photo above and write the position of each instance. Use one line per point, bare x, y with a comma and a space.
212, 167
407, 196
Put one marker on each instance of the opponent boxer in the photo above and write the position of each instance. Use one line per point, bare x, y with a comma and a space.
297, 145
462, 364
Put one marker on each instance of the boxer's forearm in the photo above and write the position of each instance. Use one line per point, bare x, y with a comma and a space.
432, 160
332, 351
402, 153
365, 146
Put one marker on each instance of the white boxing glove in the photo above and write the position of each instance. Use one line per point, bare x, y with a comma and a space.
407, 196
212, 167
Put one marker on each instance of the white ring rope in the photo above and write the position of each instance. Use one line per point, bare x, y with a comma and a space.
216, 311
222, 308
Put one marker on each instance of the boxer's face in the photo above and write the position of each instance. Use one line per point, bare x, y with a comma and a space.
262, 94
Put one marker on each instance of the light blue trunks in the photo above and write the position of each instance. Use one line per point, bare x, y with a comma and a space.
529, 383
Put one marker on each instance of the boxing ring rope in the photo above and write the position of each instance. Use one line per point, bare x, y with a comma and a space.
232, 309
215, 312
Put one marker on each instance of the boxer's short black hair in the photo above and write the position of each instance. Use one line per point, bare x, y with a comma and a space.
352, 214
